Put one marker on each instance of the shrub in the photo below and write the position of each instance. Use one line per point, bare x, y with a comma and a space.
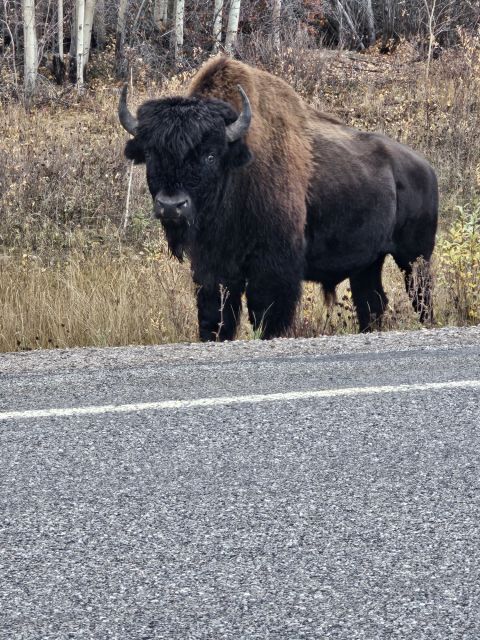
459, 262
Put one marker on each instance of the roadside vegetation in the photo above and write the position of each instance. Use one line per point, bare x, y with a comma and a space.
81, 263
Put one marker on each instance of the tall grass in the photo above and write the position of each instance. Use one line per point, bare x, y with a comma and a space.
100, 299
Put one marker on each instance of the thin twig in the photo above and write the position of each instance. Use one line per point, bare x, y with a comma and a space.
127, 203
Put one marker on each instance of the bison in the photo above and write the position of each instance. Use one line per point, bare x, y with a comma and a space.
261, 192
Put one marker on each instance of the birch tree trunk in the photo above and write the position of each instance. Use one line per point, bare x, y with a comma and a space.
58, 60
60, 28
160, 14
30, 43
99, 24
277, 8
120, 67
87, 29
80, 19
217, 25
232, 28
178, 40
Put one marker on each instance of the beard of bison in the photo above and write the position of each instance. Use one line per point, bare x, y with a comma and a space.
199, 193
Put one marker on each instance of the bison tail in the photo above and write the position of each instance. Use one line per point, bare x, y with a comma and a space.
330, 294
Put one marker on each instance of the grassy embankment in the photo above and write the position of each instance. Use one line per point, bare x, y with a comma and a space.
70, 275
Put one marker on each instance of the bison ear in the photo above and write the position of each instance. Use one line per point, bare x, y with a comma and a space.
133, 151
239, 155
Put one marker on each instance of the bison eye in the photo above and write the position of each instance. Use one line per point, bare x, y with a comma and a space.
210, 158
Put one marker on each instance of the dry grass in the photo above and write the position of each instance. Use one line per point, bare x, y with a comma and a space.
102, 299
70, 277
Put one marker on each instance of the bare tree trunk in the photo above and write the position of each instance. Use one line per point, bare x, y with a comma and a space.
160, 14
87, 29
80, 19
277, 8
17, 27
178, 40
30, 43
73, 35
343, 13
99, 24
120, 66
388, 23
217, 24
171, 13
58, 61
232, 28
370, 22
60, 28
137, 17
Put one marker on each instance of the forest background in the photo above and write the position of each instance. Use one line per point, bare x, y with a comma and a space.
81, 263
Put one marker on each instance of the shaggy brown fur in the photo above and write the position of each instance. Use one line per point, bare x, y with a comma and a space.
279, 138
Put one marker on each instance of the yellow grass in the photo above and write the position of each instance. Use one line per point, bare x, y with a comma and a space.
99, 299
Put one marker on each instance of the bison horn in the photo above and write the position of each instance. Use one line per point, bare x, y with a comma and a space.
239, 128
129, 122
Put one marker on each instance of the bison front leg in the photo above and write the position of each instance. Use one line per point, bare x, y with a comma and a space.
272, 299
219, 309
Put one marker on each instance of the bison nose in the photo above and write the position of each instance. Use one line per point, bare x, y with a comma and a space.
172, 207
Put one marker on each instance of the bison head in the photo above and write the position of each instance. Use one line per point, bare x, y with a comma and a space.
189, 145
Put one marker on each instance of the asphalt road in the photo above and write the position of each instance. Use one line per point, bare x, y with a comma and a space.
313, 489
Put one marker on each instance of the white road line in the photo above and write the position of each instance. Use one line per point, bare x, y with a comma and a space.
230, 400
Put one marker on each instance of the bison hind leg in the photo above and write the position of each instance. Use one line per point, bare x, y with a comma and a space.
418, 285
329, 293
369, 296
